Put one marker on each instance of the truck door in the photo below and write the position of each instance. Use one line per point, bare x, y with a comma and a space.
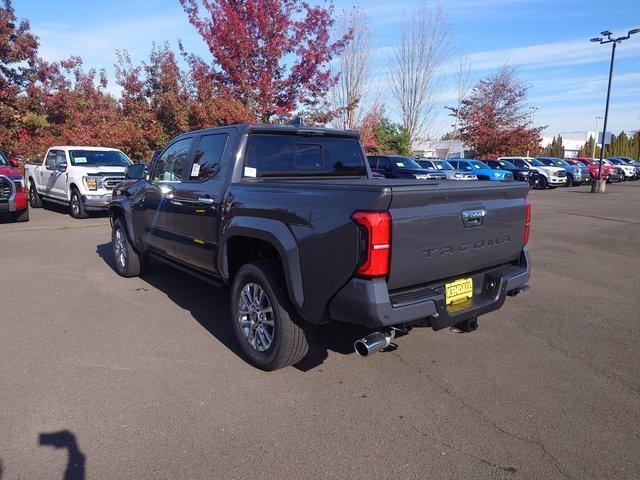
59, 187
152, 206
197, 202
46, 182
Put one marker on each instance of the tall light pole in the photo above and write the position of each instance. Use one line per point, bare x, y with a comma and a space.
615, 42
532, 109
595, 140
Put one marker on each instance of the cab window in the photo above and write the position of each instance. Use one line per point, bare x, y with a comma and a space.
169, 166
207, 158
50, 162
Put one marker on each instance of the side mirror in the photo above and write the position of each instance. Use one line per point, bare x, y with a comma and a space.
14, 163
62, 166
136, 171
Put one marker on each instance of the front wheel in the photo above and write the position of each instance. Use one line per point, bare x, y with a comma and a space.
75, 205
265, 323
542, 182
128, 262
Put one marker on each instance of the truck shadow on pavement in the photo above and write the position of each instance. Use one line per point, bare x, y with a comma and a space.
64, 210
209, 306
64, 439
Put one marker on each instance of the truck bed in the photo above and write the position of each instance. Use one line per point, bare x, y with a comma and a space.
429, 238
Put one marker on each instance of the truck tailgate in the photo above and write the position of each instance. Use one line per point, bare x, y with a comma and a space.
454, 228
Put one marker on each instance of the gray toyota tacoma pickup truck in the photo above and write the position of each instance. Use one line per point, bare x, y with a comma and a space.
294, 222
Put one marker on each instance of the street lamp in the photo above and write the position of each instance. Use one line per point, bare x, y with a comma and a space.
615, 41
532, 110
595, 140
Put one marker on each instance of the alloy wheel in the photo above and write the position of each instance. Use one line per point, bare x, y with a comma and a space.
255, 315
75, 204
119, 249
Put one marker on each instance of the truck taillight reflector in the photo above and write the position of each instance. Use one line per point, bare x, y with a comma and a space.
527, 222
376, 229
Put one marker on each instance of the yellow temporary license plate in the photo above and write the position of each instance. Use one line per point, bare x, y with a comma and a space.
458, 291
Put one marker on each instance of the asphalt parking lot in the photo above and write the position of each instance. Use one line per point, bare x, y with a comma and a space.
139, 378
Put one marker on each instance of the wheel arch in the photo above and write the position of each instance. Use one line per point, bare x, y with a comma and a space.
120, 210
267, 232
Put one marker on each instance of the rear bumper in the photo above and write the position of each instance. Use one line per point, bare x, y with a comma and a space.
369, 303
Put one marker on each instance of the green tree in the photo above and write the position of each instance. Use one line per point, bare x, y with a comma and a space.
587, 149
555, 148
392, 138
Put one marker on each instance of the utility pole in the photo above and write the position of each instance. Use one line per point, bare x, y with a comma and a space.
597, 187
532, 109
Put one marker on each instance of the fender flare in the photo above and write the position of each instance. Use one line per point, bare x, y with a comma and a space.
124, 205
278, 235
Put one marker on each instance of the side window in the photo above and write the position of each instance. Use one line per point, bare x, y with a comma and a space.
61, 158
454, 164
383, 163
373, 162
168, 167
466, 167
50, 162
208, 155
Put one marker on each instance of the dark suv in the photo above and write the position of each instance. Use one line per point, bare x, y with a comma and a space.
395, 166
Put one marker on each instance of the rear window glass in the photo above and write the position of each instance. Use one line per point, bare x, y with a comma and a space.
291, 155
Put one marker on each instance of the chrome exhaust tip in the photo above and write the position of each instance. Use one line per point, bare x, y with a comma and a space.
374, 342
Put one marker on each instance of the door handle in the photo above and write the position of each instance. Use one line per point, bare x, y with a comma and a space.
206, 200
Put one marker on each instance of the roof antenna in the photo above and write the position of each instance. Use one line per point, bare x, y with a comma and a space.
297, 121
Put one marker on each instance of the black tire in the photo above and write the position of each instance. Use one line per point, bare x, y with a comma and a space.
76, 208
290, 341
542, 182
21, 216
570, 182
132, 264
35, 200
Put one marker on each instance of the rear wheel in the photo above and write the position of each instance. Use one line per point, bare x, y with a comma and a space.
75, 205
21, 216
265, 323
35, 201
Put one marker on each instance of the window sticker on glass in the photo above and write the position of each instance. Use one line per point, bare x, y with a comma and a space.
80, 159
250, 172
400, 164
195, 170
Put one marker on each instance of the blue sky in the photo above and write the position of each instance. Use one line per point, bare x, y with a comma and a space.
546, 41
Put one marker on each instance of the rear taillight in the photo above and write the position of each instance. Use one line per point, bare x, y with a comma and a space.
527, 223
376, 243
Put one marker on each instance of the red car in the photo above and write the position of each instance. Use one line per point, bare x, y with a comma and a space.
608, 172
13, 192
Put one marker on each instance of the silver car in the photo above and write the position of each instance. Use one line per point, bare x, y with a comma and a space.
446, 168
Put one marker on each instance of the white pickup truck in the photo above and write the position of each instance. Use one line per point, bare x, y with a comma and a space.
79, 177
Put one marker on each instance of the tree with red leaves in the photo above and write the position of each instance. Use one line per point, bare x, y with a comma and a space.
494, 120
271, 55
18, 56
68, 105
